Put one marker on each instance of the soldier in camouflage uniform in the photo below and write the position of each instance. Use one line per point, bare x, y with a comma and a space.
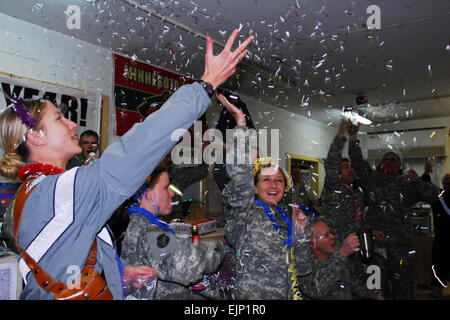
298, 193
268, 260
182, 177
343, 205
390, 195
151, 242
330, 278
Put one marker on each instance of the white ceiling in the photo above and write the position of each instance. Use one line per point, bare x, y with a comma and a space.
311, 57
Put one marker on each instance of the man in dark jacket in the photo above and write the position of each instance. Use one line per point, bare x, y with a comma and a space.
440, 254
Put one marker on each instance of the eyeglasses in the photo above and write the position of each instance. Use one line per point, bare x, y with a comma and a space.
94, 144
392, 159
325, 236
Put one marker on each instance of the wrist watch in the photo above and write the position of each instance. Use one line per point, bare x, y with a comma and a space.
208, 87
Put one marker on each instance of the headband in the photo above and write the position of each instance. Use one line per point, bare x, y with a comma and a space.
23, 113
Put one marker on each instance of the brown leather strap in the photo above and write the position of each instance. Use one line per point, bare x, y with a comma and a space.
43, 279
91, 260
19, 202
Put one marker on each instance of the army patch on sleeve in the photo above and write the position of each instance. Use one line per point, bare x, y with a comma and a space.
161, 242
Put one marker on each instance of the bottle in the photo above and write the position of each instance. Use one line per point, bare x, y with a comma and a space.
195, 238
365, 239
195, 235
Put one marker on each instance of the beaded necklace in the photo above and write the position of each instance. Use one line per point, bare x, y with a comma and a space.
287, 246
39, 168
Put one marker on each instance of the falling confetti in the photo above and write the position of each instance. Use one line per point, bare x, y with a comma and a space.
85, 87
318, 25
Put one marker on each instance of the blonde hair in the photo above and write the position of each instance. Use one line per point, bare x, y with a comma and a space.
13, 136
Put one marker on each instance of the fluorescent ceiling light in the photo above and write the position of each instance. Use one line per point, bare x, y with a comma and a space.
354, 117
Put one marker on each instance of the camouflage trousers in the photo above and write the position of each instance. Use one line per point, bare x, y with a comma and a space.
397, 280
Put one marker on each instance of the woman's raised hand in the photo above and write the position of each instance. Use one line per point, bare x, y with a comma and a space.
219, 68
237, 113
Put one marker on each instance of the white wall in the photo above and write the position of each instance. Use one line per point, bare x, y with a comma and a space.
411, 124
417, 164
34, 52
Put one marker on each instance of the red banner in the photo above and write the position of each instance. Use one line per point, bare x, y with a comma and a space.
140, 89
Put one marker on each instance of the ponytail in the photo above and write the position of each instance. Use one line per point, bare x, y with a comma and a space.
13, 137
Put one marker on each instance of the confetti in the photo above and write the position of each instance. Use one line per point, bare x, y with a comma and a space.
276, 73
85, 89
318, 25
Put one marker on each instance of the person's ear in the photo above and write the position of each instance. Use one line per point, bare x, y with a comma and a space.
36, 137
148, 195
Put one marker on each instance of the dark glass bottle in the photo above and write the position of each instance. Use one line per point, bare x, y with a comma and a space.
195, 235
365, 239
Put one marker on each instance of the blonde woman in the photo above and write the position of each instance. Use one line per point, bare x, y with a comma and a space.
64, 212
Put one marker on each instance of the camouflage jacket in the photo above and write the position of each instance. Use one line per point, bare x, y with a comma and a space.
331, 280
261, 268
77, 160
179, 263
343, 206
389, 199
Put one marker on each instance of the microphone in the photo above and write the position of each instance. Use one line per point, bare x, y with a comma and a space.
91, 157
